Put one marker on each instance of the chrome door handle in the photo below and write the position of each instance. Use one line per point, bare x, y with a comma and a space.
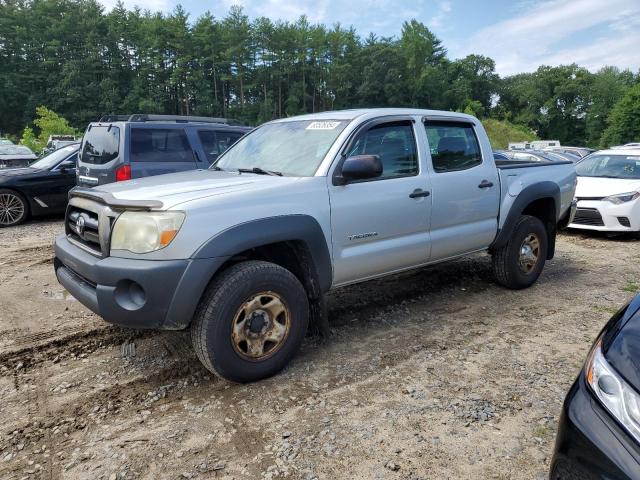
418, 192
485, 184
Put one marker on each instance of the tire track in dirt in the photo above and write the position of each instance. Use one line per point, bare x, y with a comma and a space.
80, 341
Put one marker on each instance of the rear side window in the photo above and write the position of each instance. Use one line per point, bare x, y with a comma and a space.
100, 145
394, 144
453, 146
160, 145
215, 143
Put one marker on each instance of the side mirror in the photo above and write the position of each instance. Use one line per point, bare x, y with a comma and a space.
359, 167
67, 165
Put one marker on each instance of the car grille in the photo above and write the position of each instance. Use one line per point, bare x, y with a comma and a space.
589, 198
588, 216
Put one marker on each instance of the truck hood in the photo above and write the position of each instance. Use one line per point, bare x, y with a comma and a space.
176, 188
603, 187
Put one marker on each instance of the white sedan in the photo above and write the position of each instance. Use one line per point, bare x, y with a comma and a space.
608, 191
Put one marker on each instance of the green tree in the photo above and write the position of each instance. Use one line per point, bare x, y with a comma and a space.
48, 123
624, 121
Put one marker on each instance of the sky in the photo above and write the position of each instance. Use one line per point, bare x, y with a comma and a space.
519, 35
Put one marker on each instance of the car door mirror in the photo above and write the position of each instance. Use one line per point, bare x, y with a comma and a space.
359, 167
66, 166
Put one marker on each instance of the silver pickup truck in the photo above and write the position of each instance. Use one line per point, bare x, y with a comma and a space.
243, 253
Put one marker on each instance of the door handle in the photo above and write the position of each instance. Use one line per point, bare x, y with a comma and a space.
485, 184
418, 192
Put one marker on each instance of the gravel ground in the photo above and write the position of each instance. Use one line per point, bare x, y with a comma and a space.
438, 373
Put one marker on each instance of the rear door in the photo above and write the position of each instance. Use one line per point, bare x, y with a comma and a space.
154, 150
465, 190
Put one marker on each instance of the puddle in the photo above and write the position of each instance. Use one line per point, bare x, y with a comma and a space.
58, 295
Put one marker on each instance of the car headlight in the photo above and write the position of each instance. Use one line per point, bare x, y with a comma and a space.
143, 232
620, 399
622, 198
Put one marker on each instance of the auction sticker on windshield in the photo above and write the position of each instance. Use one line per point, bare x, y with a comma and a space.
327, 125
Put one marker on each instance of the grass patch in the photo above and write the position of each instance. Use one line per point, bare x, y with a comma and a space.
631, 287
542, 431
609, 310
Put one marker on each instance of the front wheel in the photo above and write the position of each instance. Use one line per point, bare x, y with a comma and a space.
250, 322
13, 208
519, 263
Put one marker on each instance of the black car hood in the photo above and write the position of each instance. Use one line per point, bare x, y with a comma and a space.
623, 350
17, 172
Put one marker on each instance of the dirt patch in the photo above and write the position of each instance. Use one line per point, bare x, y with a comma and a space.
438, 373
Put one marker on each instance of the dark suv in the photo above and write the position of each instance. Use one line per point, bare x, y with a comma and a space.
119, 148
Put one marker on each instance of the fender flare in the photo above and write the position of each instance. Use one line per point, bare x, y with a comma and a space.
265, 231
528, 195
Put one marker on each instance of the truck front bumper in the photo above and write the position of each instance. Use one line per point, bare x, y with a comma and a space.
134, 293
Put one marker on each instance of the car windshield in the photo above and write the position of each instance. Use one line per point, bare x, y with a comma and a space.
293, 148
610, 166
15, 150
51, 160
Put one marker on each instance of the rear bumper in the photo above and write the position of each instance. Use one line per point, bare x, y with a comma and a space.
134, 293
590, 444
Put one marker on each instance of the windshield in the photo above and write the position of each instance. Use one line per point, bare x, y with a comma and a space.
293, 148
610, 166
15, 150
51, 160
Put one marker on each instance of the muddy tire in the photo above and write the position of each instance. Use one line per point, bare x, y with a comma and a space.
14, 208
250, 321
519, 263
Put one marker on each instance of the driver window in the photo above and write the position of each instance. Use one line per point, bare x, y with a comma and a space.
394, 144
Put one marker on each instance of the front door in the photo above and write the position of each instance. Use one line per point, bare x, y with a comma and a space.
382, 225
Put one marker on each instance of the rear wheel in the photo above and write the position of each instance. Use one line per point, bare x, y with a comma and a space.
519, 263
13, 208
250, 322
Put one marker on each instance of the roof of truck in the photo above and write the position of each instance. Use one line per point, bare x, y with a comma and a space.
371, 112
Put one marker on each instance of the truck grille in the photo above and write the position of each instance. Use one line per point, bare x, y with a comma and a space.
88, 225
588, 216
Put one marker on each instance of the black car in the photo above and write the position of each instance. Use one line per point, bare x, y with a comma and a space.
599, 432
12, 156
39, 189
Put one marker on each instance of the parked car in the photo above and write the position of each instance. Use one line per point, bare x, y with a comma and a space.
608, 192
243, 253
5, 141
58, 141
39, 189
599, 432
16, 156
581, 152
119, 148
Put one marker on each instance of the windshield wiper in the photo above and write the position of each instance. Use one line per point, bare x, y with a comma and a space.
260, 171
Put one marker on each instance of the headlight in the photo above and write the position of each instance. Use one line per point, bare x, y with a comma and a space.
622, 198
621, 400
143, 232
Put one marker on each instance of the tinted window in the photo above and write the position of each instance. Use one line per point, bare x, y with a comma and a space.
100, 145
394, 144
160, 145
454, 146
610, 166
215, 143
